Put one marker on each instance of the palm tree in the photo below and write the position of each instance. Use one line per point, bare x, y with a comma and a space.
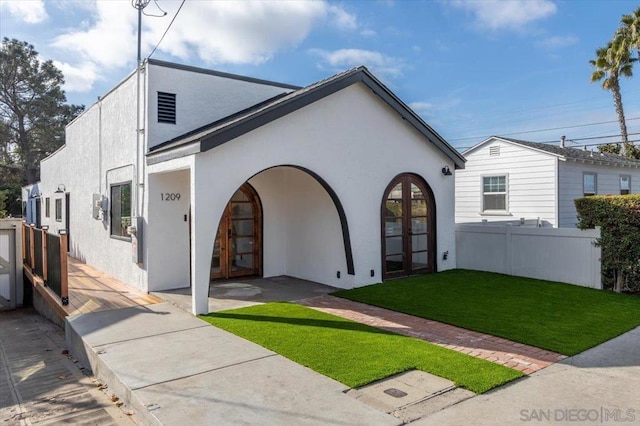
630, 31
610, 64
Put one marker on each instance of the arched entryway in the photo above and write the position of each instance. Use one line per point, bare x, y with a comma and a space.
408, 227
237, 250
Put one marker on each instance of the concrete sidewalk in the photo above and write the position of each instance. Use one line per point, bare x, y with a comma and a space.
175, 368
41, 385
598, 386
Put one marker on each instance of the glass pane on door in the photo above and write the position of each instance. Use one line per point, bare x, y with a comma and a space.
419, 260
241, 262
242, 210
419, 242
394, 263
393, 245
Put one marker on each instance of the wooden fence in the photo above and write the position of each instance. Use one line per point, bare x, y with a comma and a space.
46, 256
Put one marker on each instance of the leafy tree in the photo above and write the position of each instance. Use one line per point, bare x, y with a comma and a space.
619, 59
610, 64
619, 219
33, 111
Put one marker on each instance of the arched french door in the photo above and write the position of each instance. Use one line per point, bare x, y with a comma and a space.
408, 227
237, 250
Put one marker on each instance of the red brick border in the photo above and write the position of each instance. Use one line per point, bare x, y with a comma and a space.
518, 356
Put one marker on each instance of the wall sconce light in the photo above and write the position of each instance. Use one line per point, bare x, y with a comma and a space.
446, 171
61, 189
35, 194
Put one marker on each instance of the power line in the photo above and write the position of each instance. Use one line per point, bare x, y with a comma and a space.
547, 130
167, 30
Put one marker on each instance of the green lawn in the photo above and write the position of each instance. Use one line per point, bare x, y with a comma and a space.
352, 353
560, 317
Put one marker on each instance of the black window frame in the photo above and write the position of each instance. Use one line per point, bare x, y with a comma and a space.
47, 207
121, 231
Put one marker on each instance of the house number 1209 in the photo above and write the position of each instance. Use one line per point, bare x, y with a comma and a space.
170, 196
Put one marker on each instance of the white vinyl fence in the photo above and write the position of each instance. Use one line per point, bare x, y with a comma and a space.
555, 254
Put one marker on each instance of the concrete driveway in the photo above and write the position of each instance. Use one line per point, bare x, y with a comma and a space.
598, 386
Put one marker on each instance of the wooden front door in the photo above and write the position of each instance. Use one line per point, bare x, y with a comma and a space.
408, 228
237, 250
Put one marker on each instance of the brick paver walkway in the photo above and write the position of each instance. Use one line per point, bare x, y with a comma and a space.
518, 356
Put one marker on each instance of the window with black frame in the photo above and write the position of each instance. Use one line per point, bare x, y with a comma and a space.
120, 210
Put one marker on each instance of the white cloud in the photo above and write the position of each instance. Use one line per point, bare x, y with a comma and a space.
347, 58
109, 40
343, 19
28, 11
506, 14
421, 107
368, 33
78, 78
224, 32
558, 42
239, 32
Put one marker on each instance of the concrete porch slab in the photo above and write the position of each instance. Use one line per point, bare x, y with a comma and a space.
238, 293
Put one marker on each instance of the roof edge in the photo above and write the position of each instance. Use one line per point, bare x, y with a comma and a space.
199, 70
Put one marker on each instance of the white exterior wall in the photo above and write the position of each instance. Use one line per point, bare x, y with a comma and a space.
166, 234
531, 184
571, 181
200, 99
564, 255
357, 144
302, 232
100, 151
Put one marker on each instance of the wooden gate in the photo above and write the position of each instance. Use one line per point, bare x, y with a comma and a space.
7, 268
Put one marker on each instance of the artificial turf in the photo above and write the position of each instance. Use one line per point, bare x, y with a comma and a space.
559, 317
352, 353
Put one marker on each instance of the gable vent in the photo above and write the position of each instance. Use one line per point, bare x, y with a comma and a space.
494, 151
166, 107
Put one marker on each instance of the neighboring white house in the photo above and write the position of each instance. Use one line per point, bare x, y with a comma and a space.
223, 176
507, 179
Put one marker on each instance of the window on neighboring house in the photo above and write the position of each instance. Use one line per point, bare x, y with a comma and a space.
58, 209
166, 108
625, 185
120, 210
47, 207
589, 184
494, 193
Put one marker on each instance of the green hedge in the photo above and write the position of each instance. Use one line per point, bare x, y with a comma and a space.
619, 219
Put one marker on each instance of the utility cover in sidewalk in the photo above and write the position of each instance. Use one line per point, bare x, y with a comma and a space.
410, 395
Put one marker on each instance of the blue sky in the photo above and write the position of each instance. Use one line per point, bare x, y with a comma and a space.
470, 68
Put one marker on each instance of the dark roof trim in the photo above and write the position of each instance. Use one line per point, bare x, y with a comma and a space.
219, 74
295, 100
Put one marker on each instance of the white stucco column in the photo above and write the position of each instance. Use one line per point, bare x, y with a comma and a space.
209, 196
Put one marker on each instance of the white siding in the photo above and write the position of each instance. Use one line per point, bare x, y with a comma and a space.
201, 99
531, 183
570, 185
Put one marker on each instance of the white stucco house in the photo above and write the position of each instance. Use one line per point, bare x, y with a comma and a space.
180, 175
506, 179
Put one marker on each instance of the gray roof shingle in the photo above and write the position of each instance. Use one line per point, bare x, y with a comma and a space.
578, 154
